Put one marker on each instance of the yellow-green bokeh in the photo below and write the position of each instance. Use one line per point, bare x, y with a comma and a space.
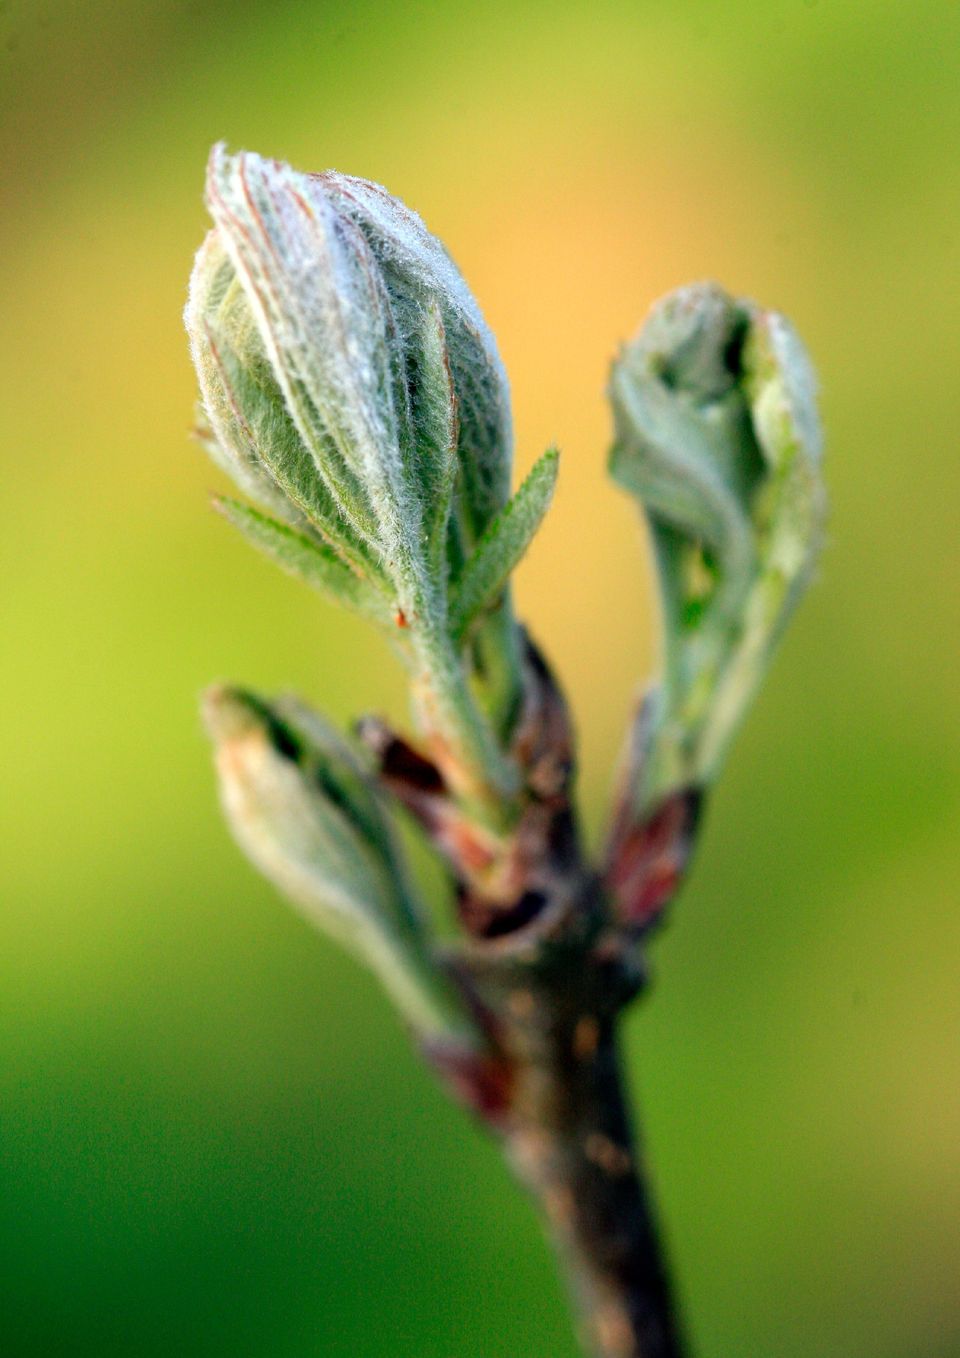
213, 1136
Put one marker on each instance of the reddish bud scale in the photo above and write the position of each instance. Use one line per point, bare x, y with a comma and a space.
481, 1081
648, 860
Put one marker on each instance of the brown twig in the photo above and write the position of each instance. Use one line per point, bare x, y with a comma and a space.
550, 961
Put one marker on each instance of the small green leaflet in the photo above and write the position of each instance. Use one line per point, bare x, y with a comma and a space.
314, 562
504, 542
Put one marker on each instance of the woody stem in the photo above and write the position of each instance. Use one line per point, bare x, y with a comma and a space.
570, 1142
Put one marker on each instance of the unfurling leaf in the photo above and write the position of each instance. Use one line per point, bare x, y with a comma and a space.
353, 391
419, 272
254, 438
306, 812
343, 359
717, 436
485, 574
310, 560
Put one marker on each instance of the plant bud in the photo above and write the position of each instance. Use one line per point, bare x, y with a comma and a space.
250, 433
351, 389
305, 811
347, 374
419, 273
718, 438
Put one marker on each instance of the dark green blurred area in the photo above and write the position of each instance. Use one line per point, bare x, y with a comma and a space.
213, 1136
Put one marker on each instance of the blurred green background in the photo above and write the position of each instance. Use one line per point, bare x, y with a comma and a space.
213, 1136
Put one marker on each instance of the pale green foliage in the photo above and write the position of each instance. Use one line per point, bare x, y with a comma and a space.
336, 342
485, 574
416, 269
310, 560
304, 809
353, 391
718, 438
254, 438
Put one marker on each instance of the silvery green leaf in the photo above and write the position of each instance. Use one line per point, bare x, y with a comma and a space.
227, 437
434, 411
255, 440
356, 394
416, 267
324, 315
717, 437
486, 572
685, 450
305, 811
312, 561
789, 510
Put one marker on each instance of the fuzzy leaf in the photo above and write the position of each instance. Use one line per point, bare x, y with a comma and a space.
356, 393
324, 315
685, 449
416, 268
306, 812
312, 561
486, 572
256, 441
225, 431
434, 410
717, 437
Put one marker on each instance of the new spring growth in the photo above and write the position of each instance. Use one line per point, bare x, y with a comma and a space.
306, 811
354, 394
718, 438
352, 390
